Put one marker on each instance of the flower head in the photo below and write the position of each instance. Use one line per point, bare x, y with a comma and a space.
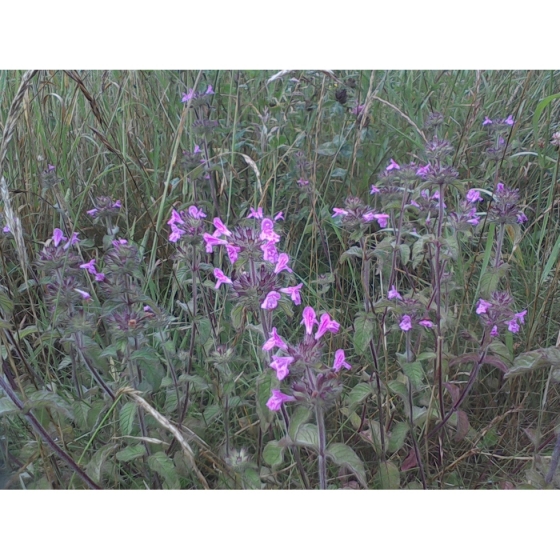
274, 342
271, 300
309, 319
326, 324
221, 229
392, 165
483, 306
473, 196
486, 121
293, 292
277, 400
280, 366
340, 361
221, 277
257, 214
393, 293
58, 236
282, 263
406, 323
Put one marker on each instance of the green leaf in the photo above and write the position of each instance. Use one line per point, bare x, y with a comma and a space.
359, 393
164, 466
491, 278
307, 436
236, 316
273, 453
48, 399
363, 332
343, 455
388, 476
533, 360
81, 410
204, 330
251, 479
300, 415
95, 466
352, 252
131, 452
541, 106
7, 406
415, 372
6, 304
211, 412
397, 437
405, 253
327, 149
127, 416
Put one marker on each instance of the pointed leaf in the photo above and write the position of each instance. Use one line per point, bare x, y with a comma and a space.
127, 416
300, 415
273, 453
164, 466
343, 455
307, 436
388, 476
363, 332
7, 406
397, 436
131, 452
359, 393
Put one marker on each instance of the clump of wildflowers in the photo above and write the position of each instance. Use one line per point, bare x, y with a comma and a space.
496, 314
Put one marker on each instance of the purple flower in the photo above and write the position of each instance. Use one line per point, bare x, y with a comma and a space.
209, 91
221, 229
302, 182
270, 253
339, 212
309, 319
392, 165
267, 231
117, 204
233, 252
494, 331
374, 190
99, 276
426, 323
6, 229
282, 263
381, 219
393, 293
368, 216
175, 218
406, 323
510, 122
89, 266
473, 196
274, 342
188, 96
211, 241
84, 295
521, 218
117, 242
257, 214
221, 277
423, 171
358, 109
58, 236
197, 149
280, 366
513, 326
500, 188
521, 316
293, 293
92, 212
50, 168
326, 324
271, 300
279, 216
486, 121
196, 213
72, 241
414, 203
175, 234
277, 400
340, 361
483, 306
